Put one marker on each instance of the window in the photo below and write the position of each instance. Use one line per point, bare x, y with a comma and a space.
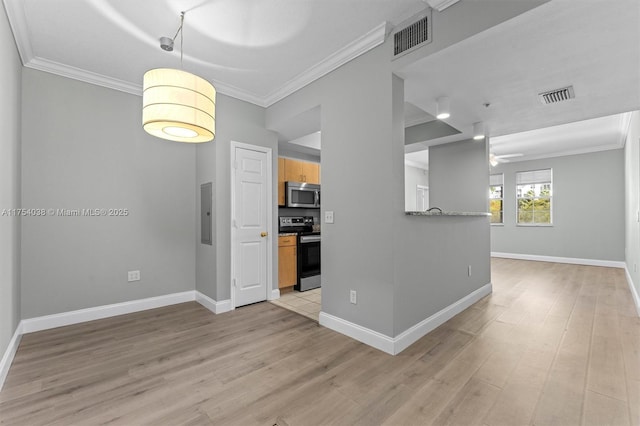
496, 186
533, 190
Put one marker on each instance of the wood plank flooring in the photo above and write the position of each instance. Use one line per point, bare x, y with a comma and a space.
553, 345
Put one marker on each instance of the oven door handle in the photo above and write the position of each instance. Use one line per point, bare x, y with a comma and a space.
309, 239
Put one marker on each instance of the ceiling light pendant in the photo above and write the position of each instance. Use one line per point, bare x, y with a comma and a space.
493, 160
443, 110
177, 105
478, 131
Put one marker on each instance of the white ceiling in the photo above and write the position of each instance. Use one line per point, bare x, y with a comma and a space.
593, 135
261, 51
593, 45
255, 50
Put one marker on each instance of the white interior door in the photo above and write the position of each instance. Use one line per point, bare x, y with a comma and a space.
422, 198
250, 216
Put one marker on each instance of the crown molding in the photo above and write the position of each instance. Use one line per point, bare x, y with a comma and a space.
18, 24
63, 70
17, 20
416, 164
589, 150
68, 71
625, 122
440, 5
372, 39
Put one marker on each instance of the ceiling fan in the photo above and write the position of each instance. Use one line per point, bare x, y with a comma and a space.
494, 160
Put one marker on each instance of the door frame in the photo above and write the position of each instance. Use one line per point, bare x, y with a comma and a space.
268, 151
421, 188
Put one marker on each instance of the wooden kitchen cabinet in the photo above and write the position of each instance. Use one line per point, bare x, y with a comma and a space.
290, 170
301, 171
311, 172
293, 170
287, 261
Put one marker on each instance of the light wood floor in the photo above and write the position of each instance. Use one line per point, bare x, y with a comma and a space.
553, 345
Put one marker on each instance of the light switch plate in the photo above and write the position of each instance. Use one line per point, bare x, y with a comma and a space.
328, 217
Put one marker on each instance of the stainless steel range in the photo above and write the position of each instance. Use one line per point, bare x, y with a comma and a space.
308, 264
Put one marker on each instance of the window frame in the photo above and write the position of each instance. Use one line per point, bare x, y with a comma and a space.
501, 223
550, 198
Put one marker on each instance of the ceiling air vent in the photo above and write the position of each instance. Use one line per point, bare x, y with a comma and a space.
413, 35
558, 95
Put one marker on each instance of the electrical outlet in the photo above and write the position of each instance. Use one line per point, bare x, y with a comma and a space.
133, 276
328, 217
353, 297
469, 270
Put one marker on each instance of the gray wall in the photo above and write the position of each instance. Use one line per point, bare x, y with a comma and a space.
237, 121
459, 176
10, 81
632, 200
357, 252
83, 146
300, 156
432, 270
588, 209
365, 249
413, 176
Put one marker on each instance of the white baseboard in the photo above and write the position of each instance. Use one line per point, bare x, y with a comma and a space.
410, 336
89, 314
554, 259
634, 292
7, 358
395, 345
358, 332
99, 312
212, 305
275, 294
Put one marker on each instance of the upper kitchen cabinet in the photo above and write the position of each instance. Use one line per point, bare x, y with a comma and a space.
301, 171
311, 172
292, 170
295, 171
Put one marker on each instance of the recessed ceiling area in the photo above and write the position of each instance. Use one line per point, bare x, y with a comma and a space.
495, 77
597, 134
262, 51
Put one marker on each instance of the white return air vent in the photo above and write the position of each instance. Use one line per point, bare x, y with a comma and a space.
415, 33
558, 95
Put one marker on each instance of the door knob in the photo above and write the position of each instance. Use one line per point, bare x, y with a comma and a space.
264, 234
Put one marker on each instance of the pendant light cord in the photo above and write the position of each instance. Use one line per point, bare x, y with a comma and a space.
181, 36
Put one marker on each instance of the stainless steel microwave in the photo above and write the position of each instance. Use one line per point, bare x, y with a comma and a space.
300, 194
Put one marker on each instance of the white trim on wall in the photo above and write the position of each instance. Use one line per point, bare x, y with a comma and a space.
90, 314
99, 312
215, 307
632, 289
395, 345
17, 20
410, 336
554, 259
355, 331
9, 354
275, 294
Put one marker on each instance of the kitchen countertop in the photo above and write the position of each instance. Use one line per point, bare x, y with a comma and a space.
445, 213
